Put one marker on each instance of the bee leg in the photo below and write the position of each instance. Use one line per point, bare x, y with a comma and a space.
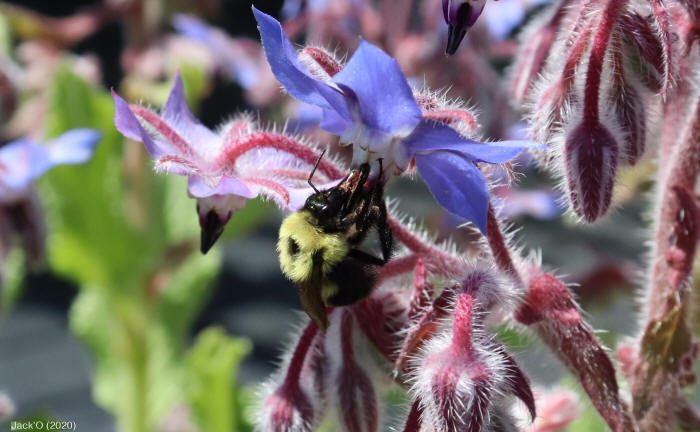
351, 203
386, 238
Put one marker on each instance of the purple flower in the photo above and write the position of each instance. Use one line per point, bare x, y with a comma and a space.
460, 15
24, 160
370, 105
224, 168
233, 54
507, 16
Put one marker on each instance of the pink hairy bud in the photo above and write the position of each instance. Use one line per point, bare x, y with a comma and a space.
463, 372
453, 382
324, 59
552, 312
534, 51
556, 411
640, 42
590, 153
453, 113
355, 395
289, 408
424, 328
629, 111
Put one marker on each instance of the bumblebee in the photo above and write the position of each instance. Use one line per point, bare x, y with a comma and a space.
318, 245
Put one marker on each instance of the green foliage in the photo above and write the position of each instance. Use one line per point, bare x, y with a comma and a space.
12, 284
5, 38
129, 238
212, 364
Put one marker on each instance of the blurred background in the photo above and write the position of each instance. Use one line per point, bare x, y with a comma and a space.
118, 322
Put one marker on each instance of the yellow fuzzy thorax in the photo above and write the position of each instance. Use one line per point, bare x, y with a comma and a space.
301, 227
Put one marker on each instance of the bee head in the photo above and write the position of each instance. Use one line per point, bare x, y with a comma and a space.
303, 244
324, 204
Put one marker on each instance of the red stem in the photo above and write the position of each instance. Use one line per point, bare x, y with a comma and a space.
442, 261
681, 169
499, 248
595, 62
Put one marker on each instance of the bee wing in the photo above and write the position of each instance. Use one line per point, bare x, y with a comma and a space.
310, 294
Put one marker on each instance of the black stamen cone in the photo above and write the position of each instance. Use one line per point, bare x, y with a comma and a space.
211, 229
454, 38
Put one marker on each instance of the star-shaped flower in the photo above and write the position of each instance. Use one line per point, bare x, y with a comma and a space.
224, 168
370, 105
24, 160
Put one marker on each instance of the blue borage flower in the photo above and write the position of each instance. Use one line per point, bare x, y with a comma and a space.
370, 105
24, 160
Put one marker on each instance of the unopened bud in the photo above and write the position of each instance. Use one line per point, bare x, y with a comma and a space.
460, 15
463, 372
351, 386
629, 110
590, 153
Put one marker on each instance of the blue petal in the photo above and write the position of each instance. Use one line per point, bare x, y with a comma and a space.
178, 115
384, 97
73, 147
191, 27
125, 121
227, 185
21, 162
293, 75
457, 184
430, 136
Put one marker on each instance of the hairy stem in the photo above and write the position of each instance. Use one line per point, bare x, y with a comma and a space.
601, 41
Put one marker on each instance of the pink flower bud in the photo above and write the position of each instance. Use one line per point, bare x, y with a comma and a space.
323, 59
628, 107
590, 153
640, 42
556, 411
463, 372
350, 386
287, 409
550, 309
537, 41
453, 113
550, 107
287, 404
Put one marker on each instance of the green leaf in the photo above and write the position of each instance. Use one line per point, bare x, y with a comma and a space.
104, 217
11, 286
667, 339
212, 365
186, 291
5, 36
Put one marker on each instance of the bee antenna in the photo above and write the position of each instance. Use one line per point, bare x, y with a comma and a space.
318, 161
